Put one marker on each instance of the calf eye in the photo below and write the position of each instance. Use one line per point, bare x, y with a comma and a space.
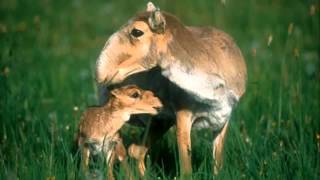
135, 95
136, 33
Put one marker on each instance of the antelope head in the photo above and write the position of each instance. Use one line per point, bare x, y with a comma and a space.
136, 47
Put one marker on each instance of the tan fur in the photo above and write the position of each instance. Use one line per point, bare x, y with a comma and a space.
156, 130
218, 149
100, 125
120, 154
205, 56
205, 48
184, 140
138, 152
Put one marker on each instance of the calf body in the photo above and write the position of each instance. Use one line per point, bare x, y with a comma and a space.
99, 126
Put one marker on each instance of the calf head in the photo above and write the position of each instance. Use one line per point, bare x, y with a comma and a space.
136, 47
137, 101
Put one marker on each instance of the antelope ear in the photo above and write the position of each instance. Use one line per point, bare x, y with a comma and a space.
150, 7
157, 21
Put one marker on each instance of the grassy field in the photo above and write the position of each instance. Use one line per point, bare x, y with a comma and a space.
47, 56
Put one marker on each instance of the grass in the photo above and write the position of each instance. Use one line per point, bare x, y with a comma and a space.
47, 55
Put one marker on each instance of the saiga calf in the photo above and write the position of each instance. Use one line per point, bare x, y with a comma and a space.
99, 126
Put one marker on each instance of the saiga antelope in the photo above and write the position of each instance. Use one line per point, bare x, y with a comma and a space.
99, 126
205, 70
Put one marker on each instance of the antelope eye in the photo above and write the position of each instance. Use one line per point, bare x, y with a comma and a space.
136, 32
135, 95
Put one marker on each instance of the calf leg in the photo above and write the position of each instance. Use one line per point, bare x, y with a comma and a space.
119, 152
157, 129
110, 163
184, 124
85, 158
139, 152
217, 149
121, 155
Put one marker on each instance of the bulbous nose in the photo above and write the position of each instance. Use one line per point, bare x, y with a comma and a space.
106, 62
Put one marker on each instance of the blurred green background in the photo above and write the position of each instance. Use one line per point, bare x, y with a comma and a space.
48, 51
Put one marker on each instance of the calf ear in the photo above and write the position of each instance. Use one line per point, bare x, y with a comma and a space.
115, 92
157, 21
150, 7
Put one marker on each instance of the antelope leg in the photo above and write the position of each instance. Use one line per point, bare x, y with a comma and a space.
184, 125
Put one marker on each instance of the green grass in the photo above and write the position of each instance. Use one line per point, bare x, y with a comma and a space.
47, 55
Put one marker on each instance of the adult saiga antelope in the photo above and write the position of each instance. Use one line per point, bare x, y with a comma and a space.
205, 67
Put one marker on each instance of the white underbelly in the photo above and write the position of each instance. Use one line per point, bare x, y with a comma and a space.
202, 86
214, 117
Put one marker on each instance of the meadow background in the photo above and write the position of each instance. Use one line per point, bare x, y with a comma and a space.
48, 51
